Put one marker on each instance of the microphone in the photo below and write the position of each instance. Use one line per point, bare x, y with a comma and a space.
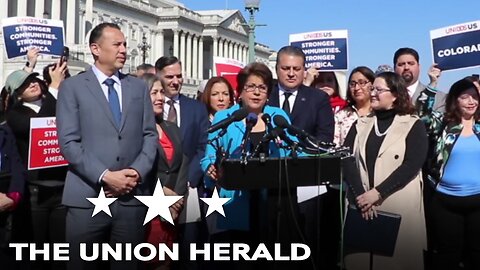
268, 120
280, 121
251, 121
236, 116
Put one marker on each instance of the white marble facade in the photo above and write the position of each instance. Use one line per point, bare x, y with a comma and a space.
170, 28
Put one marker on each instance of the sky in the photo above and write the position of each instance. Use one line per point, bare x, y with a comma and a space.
376, 28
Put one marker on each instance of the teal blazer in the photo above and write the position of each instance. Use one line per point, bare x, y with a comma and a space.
237, 209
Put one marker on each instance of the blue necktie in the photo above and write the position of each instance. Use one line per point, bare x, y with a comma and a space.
113, 101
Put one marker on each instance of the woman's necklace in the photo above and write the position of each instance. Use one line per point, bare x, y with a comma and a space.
377, 132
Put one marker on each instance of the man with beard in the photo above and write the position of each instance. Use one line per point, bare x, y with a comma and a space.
406, 64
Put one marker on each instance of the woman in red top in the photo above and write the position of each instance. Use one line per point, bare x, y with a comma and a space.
171, 169
328, 82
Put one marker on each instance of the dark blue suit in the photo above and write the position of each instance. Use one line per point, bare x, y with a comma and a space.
193, 126
311, 112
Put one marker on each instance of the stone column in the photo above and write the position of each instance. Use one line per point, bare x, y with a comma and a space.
4, 12
21, 7
200, 58
182, 50
189, 55
55, 12
175, 42
39, 8
70, 23
235, 51
215, 54
158, 46
195, 57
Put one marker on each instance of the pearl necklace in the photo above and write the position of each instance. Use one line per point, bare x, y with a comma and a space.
377, 132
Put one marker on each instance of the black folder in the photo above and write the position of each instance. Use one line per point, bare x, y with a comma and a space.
377, 236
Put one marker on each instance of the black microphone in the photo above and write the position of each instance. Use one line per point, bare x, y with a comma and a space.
251, 121
268, 121
280, 121
236, 116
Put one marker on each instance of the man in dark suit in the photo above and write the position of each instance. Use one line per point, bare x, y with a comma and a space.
189, 114
406, 63
106, 131
192, 118
310, 110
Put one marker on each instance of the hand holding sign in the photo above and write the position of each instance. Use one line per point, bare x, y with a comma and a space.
434, 74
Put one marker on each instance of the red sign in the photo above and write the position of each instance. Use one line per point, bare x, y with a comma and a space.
44, 151
228, 68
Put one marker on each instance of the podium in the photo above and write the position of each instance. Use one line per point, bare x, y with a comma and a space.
266, 173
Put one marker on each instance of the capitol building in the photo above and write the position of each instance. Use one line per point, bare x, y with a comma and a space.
160, 27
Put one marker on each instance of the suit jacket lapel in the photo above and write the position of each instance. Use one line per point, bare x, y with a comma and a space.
126, 96
96, 90
298, 104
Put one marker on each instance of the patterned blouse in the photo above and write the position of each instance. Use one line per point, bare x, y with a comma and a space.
442, 135
344, 120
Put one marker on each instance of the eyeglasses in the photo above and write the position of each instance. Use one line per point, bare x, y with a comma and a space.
360, 83
262, 88
379, 91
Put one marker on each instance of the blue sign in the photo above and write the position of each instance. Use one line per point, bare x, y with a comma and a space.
457, 51
326, 54
20, 37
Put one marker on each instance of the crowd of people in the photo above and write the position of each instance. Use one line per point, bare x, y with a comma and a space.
414, 151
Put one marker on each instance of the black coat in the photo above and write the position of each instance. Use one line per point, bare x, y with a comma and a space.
172, 175
18, 119
12, 173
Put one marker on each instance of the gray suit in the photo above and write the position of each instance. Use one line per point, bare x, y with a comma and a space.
439, 97
91, 142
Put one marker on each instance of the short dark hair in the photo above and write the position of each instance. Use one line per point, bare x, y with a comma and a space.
257, 69
453, 113
365, 71
144, 66
398, 87
165, 61
290, 50
403, 51
208, 92
97, 32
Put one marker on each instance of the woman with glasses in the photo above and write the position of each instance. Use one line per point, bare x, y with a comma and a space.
244, 212
390, 147
358, 98
217, 96
453, 171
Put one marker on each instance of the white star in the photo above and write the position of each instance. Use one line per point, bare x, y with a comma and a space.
101, 203
158, 204
215, 203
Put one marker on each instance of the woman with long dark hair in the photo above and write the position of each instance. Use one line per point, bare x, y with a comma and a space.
453, 170
390, 147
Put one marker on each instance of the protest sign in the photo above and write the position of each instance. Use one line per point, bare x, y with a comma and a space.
327, 50
228, 68
21, 33
44, 151
457, 46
